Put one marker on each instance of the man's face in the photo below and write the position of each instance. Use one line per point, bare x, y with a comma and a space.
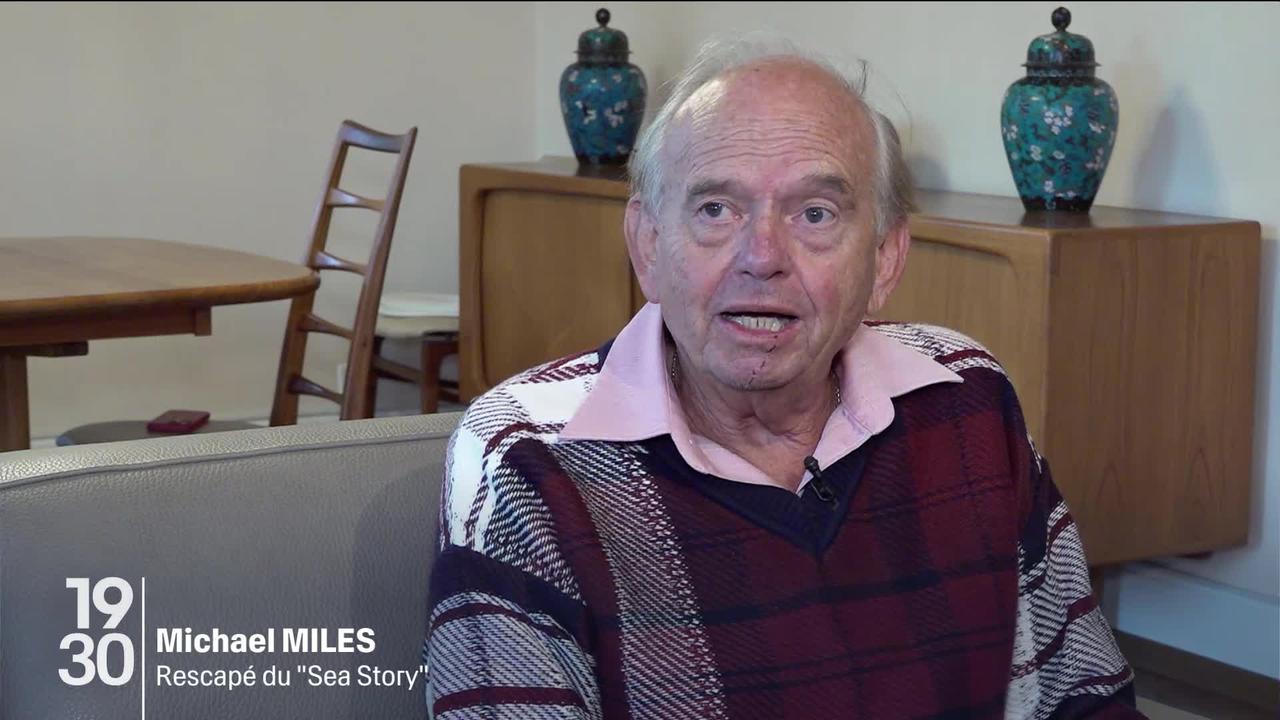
764, 256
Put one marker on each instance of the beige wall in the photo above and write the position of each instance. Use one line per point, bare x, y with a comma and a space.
212, 124
1199, 108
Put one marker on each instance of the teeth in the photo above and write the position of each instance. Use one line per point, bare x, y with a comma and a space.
759, 322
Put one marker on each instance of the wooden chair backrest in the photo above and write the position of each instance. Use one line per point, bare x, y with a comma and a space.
356, 399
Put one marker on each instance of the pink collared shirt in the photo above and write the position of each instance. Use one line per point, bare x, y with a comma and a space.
633, 398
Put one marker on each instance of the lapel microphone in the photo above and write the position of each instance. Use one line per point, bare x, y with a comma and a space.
820, 486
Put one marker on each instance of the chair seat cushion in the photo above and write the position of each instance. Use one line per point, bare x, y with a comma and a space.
418, 304
412, 327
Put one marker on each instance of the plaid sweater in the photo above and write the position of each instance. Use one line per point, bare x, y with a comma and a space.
591, 579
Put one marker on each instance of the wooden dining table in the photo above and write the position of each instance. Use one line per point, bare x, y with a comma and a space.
59, 293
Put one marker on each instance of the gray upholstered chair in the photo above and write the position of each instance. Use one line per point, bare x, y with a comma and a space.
320, 525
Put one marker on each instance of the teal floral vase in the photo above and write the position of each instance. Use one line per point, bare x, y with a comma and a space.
1059, 122
602, 96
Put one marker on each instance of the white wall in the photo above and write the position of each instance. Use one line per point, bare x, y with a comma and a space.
213, 124
1199, 106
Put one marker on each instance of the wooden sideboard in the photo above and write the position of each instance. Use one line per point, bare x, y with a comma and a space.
1130, 335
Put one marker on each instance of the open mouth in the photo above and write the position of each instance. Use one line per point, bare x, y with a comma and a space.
767, 322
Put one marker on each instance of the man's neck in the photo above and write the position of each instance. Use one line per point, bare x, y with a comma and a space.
772, 429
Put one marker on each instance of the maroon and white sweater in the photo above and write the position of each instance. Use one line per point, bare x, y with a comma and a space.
590, 579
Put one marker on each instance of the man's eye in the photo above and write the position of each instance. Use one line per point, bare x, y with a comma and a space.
816, 215
712, 209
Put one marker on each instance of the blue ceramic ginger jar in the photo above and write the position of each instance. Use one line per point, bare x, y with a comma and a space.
602, 96
1059, 122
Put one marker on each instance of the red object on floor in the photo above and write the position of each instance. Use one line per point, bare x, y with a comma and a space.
178, 422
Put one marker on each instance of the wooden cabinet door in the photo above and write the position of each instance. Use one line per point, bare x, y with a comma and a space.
991, 288
555, 277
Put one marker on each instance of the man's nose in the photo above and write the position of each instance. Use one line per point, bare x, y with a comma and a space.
762, 250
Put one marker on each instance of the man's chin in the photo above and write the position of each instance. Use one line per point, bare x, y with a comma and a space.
753, 380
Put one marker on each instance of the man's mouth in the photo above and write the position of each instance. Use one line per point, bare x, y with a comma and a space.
768, 322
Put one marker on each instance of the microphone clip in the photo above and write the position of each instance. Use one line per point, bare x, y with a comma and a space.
820, 486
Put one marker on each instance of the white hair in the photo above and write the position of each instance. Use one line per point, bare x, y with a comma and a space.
717, 57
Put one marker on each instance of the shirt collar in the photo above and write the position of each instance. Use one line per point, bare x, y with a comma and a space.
633, 399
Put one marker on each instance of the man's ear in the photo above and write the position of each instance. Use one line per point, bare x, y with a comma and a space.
641, 230
891, 260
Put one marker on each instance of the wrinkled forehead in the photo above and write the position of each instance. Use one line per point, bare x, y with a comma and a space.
781, 116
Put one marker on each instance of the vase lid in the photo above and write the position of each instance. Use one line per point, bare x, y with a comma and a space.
603, 43
1060, 52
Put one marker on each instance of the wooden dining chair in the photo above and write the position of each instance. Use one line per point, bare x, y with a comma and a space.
357, 396
356, 401
429, 320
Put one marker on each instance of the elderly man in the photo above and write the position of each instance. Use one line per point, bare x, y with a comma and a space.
754, 502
